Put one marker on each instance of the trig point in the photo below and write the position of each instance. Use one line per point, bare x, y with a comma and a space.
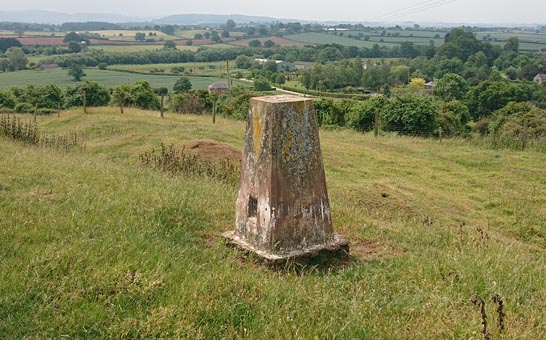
282, 207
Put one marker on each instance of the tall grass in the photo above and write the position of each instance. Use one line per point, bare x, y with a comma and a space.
170, 159
28, 132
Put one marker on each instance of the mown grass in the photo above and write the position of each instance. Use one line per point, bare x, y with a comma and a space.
92, 245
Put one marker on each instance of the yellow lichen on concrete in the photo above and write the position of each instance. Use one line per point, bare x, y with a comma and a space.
257, 129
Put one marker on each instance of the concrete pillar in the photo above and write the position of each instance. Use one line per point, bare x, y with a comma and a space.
282, 208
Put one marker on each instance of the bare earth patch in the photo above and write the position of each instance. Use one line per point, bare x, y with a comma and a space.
213, 150
367, 250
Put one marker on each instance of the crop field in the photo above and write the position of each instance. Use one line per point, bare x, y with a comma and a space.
94, 245
104, 77
279, 41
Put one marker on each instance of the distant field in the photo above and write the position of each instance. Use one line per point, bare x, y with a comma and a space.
129, 35
218, 69
190, 34
137, 48
276, 40
34, 33
104, 77
527, 41
312, 38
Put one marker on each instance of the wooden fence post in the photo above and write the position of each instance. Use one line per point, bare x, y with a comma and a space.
524, 135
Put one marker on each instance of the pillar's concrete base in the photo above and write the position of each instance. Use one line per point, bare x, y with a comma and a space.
338, 246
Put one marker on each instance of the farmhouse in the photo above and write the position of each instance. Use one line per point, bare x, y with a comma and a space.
540, 78
218, 87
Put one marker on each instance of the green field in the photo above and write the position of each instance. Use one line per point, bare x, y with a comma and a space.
215, 68
104, 77
312, 38
528, 41
95, 246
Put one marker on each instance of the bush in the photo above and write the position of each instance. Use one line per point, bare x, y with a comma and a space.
410, 114
361, 115
261, 85
103, 66
24, 108
7, 100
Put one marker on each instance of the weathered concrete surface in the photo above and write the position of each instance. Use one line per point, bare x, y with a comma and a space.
282, 207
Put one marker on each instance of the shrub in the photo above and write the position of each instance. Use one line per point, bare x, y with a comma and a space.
361, 115
24, 108
410, 114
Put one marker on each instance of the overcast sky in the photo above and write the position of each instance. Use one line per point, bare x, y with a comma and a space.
469, 11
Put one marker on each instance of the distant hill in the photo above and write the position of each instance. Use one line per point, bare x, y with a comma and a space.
49, 17
196, 19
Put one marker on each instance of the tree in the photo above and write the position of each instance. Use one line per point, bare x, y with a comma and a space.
169, 44
511, 45
121, 96
183, 84
144, 97
4, 64
225, 34
230, 25
242, 61
269, 44
17, 59
76, 72
6, 43
139, 36
168, 29
261, 85
72, 36
198, 36
255, 43
74, 47
215, 37
450, 87
189, 42
96, 95
489, 96
460, 44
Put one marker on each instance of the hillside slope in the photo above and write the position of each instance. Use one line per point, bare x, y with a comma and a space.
94, 245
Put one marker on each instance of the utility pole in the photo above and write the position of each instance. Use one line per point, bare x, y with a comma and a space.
376, 124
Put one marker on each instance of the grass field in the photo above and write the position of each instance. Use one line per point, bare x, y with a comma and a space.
104, 77
94, 246
219, 68
279, 41
312, 38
